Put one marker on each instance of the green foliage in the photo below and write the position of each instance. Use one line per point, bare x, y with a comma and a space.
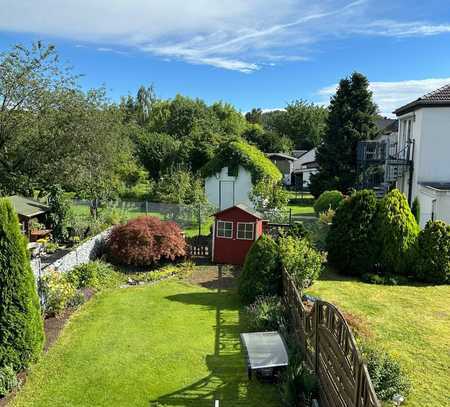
351, 244
266, 314
237, 152
415, 209
301, 260
386, 374
21, 333
60, 212
95, 274
351, 119
267, 141
169, 271
269, 194
328, 200
58, 292
261, 274
51, 247
298, 231
8, 380
397, 231
113, 216
432, 259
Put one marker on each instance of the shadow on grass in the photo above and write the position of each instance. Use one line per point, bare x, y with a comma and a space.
227, 380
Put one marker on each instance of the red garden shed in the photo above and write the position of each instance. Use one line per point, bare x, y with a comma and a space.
234, 231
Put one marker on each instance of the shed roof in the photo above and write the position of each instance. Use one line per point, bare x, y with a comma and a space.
438, 98
244, 208
27, 207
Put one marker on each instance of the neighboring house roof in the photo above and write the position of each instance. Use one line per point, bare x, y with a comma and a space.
440, 186
386, 125
244, 208
281, 155
307, 158
299, 153
27, 207
438, 98
237, 152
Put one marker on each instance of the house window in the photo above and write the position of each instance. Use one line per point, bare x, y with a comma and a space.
245, 231
224, 229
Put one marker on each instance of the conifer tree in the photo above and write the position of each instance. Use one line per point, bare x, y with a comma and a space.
351, 119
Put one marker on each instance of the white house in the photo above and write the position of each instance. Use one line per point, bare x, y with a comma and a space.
229, 188
303, 168
423, 140
285, 163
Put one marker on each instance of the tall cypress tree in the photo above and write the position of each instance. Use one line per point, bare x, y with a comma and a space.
351, 119
21, 326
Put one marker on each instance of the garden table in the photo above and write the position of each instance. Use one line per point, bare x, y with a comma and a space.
266, 352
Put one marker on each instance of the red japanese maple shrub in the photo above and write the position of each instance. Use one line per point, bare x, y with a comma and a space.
145, 241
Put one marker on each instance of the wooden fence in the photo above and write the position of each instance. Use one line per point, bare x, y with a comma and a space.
330, 350
199, 247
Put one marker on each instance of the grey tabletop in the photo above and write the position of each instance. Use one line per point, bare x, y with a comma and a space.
265, 349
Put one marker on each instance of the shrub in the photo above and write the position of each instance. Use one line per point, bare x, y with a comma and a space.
8, 380
266, 314
51, 247
300, 260
327, 216
57, 292
397, 231
95, 274
179, 271
386, 374
21, 332
432, 260
328, 200
60, 212
261, 274
351, 240
113, 216
145, 241
298, 230
415, 209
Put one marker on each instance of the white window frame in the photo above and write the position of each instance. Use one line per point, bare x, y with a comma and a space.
224, 237
245, 231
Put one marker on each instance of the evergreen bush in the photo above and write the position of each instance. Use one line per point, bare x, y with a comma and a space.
261, 274
352, 247
8, 380
328, 200
415, 209
432, 260
397, 232
21, 326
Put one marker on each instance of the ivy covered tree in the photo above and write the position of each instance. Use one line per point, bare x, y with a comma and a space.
21, 332
351, 119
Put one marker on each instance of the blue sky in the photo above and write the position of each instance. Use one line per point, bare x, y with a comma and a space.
251, 53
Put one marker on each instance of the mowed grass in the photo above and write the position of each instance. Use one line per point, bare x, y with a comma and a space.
301, 204
170, 344
411, 322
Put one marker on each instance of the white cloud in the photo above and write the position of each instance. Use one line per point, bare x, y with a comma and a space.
392, 95
240, 35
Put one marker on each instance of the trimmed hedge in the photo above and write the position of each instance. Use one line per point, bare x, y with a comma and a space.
145, 241
432, 260
21, 325
397, 233
237, 152
328, 200
351, 240
261, 274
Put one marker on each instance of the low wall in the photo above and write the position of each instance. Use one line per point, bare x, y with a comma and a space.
82, 254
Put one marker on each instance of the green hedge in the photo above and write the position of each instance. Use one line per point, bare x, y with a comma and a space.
21, 325
328, 200
237, 152
351, 239
432, 259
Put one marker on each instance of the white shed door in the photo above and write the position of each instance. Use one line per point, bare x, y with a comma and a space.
226, 194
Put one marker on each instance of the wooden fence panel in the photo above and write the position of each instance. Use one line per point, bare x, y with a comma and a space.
199, 247
330, 350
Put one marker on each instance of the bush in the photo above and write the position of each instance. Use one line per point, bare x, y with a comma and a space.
432, 259
113, 216
179, 271
300, 260
51, 247
351, 239
397, 231
95, 274
8, 380
415, 209
57, 291
266, 314
21, 332
298, 230
261, 274
386, 374
144, 241
328, 200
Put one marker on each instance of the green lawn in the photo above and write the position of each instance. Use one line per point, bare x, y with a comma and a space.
411, 322
170, 344
301, 204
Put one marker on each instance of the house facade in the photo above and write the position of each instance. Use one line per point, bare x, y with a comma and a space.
285, 163
303, 168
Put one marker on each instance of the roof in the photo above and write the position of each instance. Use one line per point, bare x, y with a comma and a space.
244, 208
27, 207
438, 98
386, 125
440, 186
282, 155
298, 153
